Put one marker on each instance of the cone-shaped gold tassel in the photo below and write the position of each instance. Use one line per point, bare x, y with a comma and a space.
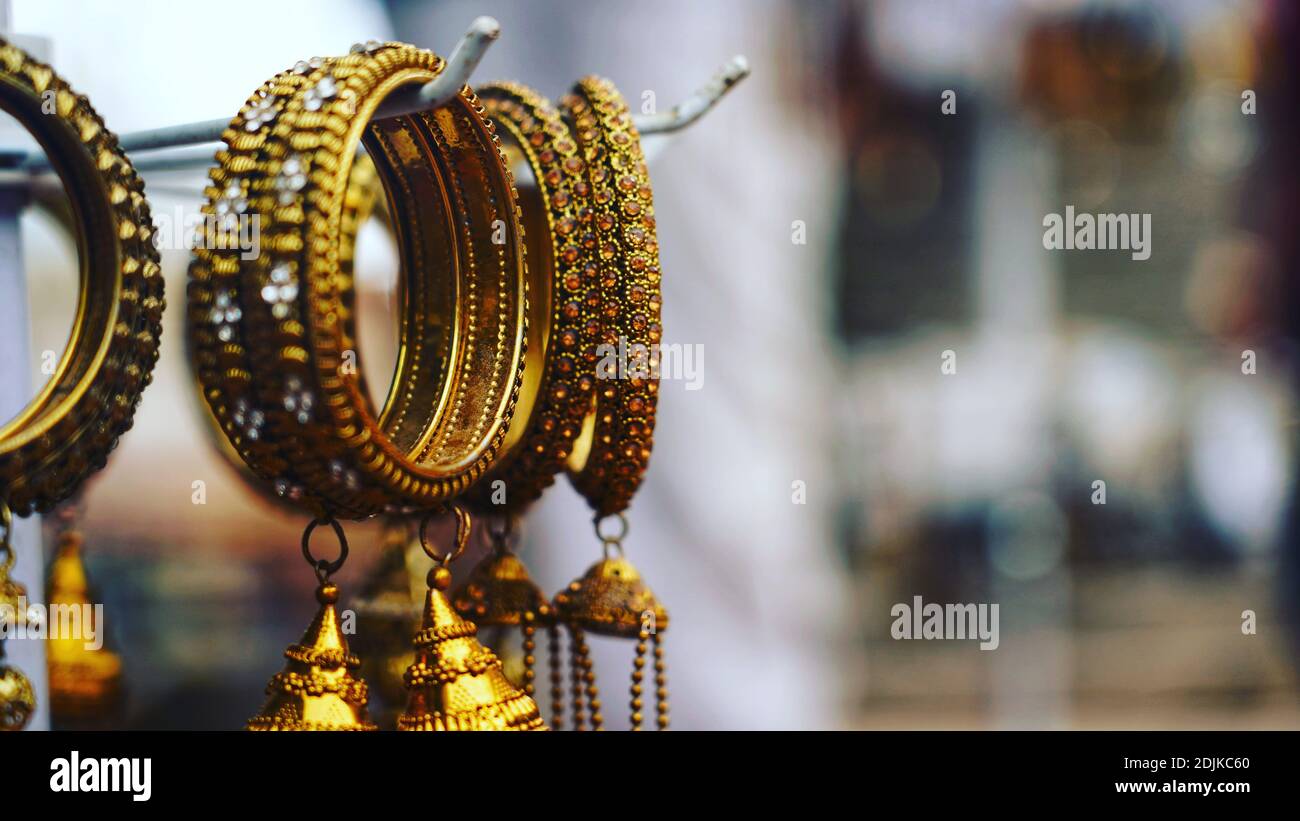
17, 698
85, 682
457, 683
317, 690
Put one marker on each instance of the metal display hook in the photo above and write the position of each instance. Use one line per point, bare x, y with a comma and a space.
464, 59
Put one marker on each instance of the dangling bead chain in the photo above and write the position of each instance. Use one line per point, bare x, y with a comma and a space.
575, 677
638, 662
557, 678
593, 695
529, 658
661, 682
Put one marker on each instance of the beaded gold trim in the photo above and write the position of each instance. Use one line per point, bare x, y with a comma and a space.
565, 301
611, 458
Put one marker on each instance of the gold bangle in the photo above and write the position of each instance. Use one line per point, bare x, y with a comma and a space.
68, 430
565, 319
364, 199
611, 455
278, 367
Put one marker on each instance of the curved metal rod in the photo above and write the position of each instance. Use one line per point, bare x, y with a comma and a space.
483, 32
699, 103
465, 57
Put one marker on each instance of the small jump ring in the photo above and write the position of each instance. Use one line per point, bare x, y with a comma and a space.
611, 541
608, 538
502, 534
463, 524
325, 569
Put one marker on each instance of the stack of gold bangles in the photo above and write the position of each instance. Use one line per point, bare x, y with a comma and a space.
513, 308
528, 322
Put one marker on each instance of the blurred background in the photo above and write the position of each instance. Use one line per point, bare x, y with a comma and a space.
830, 233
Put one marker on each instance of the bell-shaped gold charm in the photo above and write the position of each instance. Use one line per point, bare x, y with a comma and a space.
456, 683
317, 689
85, 680
500, 593
611, 599
17, 698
